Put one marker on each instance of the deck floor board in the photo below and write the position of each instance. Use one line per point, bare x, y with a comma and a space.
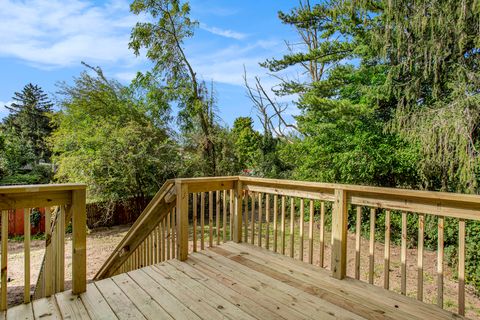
231, 281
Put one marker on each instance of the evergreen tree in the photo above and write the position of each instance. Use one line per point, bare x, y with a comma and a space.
29, 120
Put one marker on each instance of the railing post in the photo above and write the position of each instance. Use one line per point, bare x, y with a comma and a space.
339, 235
237, 215
182, 220
79, 241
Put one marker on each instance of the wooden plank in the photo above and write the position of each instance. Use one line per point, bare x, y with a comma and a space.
26, 255
371, 249
310, 233
117, 300
260, 220
195, 212
267, 221
295, 193
32, 199
358, 239
144, 303
440, 254
20, 312
46, 309
252, 220
217, 301
79, 238
339, 235
302, 226
217, 216
282, 226
61, 250
71, 306
202, 221
164, 240
386, 256
322, 234
224, 227
292, 227
176, 222
210, 219
421, 227
169, 235
461, 267
403, 255
210, 184
275, 223
194, 302
168, 302
96, 305
232, 291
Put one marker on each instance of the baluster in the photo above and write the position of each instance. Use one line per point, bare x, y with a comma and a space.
310, 233
164, 239
54, 251
252, 221
61, 253
210, 219
260, 220
403, 255
48, 253
174, 231
267, 221
4, 260
292, 226
302, 225
169, 235
275, 218
440, 262
461, 267
224, 228
421, 224
202, 220
195, 209
371, 252
358, 239
155, 245
26, 261
217, 215
322, 234
386, 279
282, 226
245, 214
231, 212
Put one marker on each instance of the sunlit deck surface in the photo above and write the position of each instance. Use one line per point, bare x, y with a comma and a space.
231, 281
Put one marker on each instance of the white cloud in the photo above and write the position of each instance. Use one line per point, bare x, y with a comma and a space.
224, 32
3, 110
56, 33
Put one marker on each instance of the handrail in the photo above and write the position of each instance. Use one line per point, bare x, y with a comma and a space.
70, 201
252, 207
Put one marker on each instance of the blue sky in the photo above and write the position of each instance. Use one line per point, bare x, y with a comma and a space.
44, 41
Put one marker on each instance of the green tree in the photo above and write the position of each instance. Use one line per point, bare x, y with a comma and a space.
246, 144
172, 71
113, 139
29, 120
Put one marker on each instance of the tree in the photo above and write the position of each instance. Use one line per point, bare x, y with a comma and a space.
246, 144
113, 139
163, 40
29, 120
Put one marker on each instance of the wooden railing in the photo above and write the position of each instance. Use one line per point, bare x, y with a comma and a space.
286, 217
68, 202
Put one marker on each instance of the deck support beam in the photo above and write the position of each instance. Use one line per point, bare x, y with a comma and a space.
182, 220
237, 218
339, 235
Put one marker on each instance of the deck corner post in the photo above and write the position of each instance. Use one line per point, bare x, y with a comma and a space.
339, 235
237, 220
79, 239
182, 220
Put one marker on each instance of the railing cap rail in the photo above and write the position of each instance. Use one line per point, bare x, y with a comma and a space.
41, 188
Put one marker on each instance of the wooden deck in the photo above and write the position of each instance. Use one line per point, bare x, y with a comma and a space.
231, 281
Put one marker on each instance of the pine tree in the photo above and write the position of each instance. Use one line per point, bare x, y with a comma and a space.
29, 119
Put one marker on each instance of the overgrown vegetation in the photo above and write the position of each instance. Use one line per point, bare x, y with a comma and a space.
383, 100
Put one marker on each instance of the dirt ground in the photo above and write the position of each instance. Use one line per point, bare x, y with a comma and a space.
101, 242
